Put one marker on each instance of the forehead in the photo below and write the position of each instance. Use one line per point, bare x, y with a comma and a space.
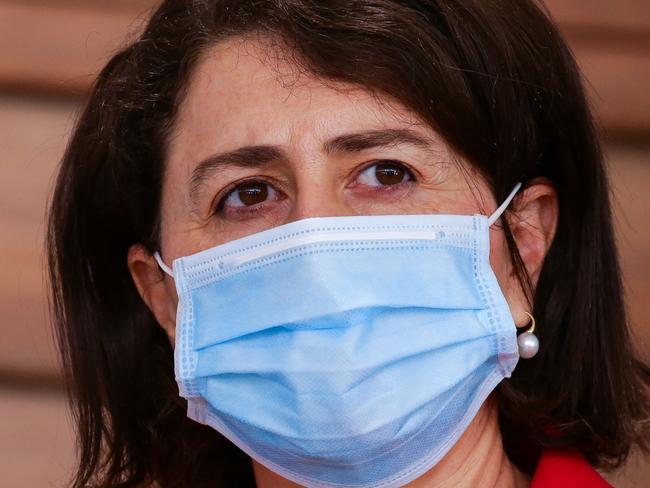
248, 91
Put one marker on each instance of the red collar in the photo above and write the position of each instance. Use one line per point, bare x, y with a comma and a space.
564, 469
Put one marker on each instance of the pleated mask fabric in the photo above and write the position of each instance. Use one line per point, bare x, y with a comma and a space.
346, 351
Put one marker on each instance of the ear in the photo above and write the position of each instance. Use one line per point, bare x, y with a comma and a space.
156, 289
533, 222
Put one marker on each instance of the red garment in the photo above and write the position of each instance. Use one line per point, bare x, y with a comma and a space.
566, 469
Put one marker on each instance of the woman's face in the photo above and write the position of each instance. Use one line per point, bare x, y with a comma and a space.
257, 144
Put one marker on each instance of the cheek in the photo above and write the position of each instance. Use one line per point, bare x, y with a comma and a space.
500, 262
505, 273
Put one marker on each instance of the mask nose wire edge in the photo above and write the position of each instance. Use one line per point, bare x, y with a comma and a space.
497, 213
162, 265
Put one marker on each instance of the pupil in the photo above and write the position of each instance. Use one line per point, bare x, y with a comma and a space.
389, 174
253, 193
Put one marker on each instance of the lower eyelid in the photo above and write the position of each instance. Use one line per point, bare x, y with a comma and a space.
398, 186
390, 191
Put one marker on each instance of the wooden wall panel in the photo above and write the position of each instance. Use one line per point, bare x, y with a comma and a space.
69, 41
54, 49
98, 6
36, 440
50, 52
617, 85
58, 51
32, 138
37, 445
630, 176
622, 15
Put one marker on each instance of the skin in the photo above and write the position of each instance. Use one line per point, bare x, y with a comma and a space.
239, 96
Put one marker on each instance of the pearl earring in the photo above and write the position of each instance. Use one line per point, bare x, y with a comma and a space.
527, 341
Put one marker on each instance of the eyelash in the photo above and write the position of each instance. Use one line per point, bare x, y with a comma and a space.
255, 209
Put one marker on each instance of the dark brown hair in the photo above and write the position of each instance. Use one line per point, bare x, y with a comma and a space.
494, 78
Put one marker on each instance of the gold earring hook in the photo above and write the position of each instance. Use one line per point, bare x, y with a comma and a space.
532, 319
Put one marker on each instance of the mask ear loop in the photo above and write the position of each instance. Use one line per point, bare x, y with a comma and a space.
497, 213
162, 265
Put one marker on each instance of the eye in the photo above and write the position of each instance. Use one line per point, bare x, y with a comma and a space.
386, 173
248, 194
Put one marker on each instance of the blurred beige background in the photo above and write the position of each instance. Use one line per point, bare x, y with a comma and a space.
49, 53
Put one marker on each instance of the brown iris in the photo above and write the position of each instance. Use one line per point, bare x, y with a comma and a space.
253, 193
389, 174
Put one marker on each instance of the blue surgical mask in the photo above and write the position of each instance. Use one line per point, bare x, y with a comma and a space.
344, 351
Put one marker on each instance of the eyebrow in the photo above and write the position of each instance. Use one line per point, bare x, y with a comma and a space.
360, 141
258, 156
244, 157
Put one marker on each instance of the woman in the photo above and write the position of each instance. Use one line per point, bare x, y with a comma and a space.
272, 263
